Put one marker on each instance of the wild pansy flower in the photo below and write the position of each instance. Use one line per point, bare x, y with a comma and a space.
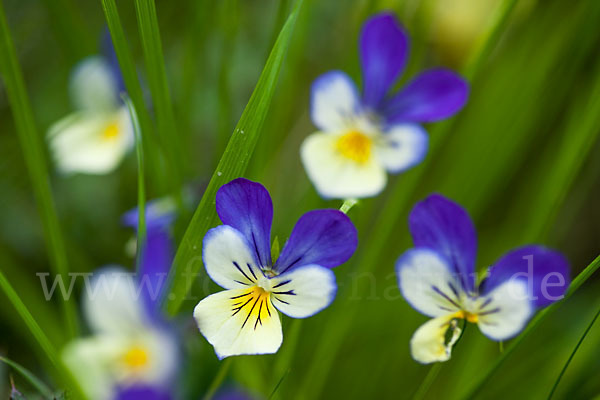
362, 136
438, 279
95, 138
243, 319
132, 353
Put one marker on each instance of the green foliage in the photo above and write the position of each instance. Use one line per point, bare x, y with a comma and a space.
520, 157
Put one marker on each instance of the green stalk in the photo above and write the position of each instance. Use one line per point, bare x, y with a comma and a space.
40, 386
47, 347
576, 284
134, 90
233, 164
564, 369
35, 160
218, 380
433, 372
141, 228
159, 89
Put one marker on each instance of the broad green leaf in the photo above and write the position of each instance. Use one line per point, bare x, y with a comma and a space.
233, 163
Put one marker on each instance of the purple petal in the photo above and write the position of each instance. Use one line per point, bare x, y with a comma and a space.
247, 207
110, 55
444, 226
383, 54
433, 95
157, 257
546, 271
142, 393
160, 213
323, 237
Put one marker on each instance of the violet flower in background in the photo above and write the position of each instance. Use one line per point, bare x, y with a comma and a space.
98, 135
132, 353
438, 279
244, 318
363, 136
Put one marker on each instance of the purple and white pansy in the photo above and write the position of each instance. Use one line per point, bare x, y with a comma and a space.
244, 318
96, 137
132, 353
361, 137
437, 277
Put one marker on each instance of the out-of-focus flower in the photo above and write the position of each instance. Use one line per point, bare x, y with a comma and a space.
132, 354
438, 279
362, 137
96, 137
456, 26
243, 319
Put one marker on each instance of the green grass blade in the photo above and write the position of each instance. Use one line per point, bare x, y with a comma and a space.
218, 379
59, 370
33, 151
575, 285
233, 163
134, 91
30, 321
159, 89
139, 148
32, 379
564, 369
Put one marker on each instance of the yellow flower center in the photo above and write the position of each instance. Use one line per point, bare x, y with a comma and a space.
356, 146
136, 358
470, 317
253, 306
111, 131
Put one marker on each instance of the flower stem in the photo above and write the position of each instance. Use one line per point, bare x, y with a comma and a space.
348, 204
428, 381
564, 369
141, 228
218, 380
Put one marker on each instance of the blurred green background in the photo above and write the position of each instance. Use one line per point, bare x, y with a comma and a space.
521, 157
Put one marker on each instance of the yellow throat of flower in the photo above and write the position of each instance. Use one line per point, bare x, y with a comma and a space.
111, 131
355, 146
472, 318
136, 358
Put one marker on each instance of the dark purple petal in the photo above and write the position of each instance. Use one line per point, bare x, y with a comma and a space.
444, 226
110, 55
383, 53
546, 271
157, 257
142, 393
433, 95
323, 237
160, 213
247, 207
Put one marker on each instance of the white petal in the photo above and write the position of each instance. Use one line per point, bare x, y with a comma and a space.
334, 101
505, 310
112, 303
99, 363
304, 291
241, 321
89, 361
336, 176
427, 283
402, 147
228, 259
428, 343
89, 142
93, 85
